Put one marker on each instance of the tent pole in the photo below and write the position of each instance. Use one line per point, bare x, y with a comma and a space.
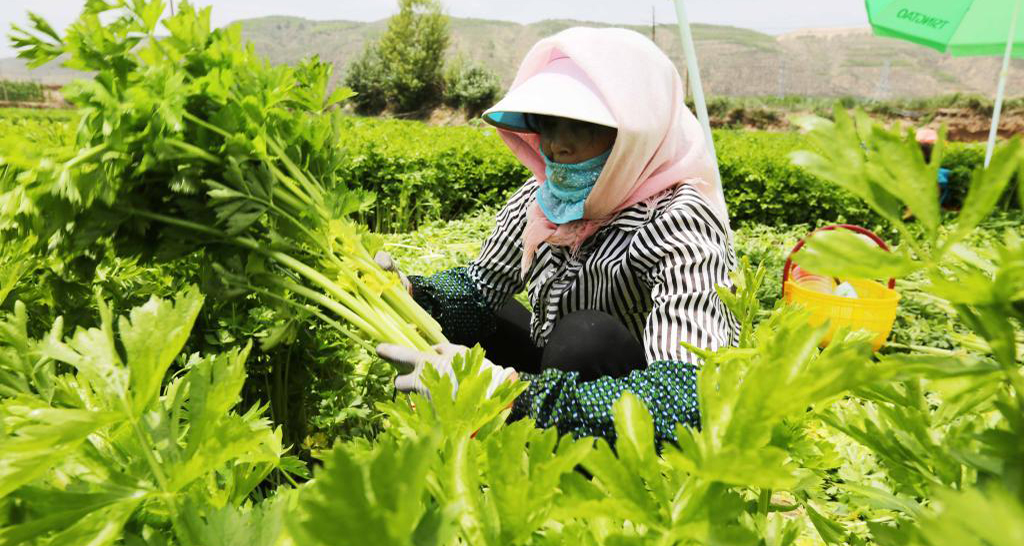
1003, 76
693, 70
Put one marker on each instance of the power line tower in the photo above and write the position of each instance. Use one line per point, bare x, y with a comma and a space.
171, 2
781, 90
654, 25
884, 84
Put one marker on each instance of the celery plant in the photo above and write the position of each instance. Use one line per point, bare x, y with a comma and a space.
191, 140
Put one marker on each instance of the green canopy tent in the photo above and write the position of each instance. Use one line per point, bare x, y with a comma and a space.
960, 27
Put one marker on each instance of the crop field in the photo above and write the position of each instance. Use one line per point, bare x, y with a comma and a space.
189, 306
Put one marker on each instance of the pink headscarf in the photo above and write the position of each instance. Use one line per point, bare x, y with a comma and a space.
660, 144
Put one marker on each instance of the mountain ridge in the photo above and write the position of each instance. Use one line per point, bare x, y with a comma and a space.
734, 61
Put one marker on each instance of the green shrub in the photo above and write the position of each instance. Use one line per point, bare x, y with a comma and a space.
366, 76
761, 186
421, 172
404, 67
962, 160
470, 86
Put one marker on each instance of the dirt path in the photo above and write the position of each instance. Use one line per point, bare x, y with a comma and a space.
963, 124
969, 126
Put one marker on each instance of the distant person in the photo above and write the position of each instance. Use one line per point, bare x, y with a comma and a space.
926, 138
620, 238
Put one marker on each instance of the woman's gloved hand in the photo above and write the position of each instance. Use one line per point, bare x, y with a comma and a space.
387, 263
411, 363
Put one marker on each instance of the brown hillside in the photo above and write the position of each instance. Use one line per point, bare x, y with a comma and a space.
734, 61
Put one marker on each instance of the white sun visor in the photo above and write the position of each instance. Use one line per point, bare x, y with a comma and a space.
560, 89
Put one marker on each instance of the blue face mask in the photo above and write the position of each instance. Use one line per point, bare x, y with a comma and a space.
562, 195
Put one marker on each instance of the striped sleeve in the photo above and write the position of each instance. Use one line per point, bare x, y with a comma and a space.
689, 253
463, 300
496, 271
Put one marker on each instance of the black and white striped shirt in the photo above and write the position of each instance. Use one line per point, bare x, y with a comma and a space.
655, 267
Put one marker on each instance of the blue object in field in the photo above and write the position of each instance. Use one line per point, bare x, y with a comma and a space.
944, 185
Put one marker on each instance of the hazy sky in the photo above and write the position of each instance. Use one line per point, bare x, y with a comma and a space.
772, 16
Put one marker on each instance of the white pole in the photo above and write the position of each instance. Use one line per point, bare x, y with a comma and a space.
1004, 74
698, 89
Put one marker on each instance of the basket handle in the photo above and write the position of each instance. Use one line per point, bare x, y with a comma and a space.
856, 229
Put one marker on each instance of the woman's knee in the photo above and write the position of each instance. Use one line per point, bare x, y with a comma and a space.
593, 343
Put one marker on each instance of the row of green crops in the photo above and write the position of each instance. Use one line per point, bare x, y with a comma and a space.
132, 425
11, 91
43, 128
418, 172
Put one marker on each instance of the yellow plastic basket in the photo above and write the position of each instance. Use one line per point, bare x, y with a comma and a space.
874, 310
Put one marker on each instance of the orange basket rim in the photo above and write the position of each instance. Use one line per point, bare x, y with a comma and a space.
850, 227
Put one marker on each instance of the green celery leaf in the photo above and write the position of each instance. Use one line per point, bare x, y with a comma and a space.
634, 443
626, 492
830, 531
993, 324
888, 534
458, 416
867, 495
902, 367
214, 385
93, 353
842, 253
375, 498
262, 524
460, 483
231, 438
976, 517
99, 528
153, 335
339, 95
523, 468
21, 370
59, 510
896, 163
840, 157
745, 394
35, 438
987, 187
150, 13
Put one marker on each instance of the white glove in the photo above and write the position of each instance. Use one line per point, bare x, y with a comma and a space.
387, 263
405, 358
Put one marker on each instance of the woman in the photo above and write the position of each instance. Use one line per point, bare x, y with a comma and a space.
620, 237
